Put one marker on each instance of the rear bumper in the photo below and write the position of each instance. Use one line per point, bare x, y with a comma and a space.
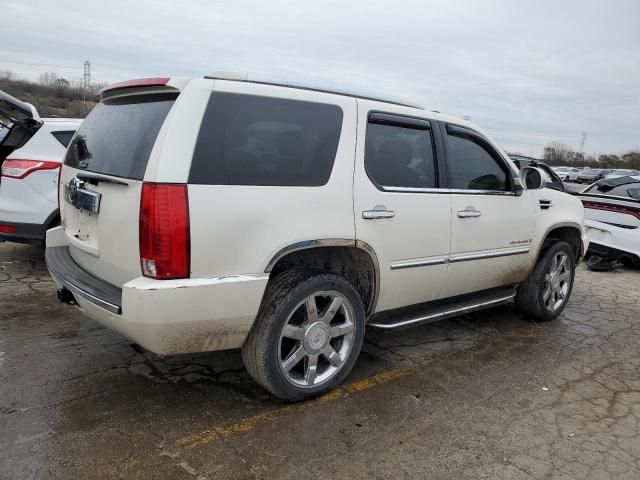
165, 316
68, 274
25, 232
610, 236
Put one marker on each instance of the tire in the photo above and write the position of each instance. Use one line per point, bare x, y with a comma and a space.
531, 297
282, 359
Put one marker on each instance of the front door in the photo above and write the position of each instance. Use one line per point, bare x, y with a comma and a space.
492, 220
399, 209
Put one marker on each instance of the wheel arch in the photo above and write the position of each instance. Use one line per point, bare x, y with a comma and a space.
353, 259
570, 232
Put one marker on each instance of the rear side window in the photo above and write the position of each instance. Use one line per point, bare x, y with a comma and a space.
399, 156
118, 135
472, 165
63, 137
252, 140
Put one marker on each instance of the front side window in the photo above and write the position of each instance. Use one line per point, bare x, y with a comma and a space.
399, 156
252, 140
471, 165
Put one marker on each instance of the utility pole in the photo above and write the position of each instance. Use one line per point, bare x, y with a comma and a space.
86, 76
583, 139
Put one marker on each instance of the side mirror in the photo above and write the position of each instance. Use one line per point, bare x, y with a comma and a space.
531, 178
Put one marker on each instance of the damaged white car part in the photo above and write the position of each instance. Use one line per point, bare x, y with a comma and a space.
612, 220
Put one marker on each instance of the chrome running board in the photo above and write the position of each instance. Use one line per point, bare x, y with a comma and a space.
432, 312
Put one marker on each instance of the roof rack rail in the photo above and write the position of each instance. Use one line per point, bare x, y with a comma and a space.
244, 77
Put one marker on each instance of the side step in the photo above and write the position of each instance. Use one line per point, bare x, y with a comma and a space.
432, 312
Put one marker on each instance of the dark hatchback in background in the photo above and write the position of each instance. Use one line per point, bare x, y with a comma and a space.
593, 175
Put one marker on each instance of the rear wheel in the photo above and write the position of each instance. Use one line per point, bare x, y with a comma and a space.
307, 336
545, 293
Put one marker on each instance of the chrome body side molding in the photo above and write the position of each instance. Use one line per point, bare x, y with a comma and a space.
503, 252
421, 262
459, 257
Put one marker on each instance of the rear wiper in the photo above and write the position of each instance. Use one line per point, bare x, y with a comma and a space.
94, 179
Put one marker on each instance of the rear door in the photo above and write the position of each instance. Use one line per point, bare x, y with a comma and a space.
101, 181
400, 211
492, 222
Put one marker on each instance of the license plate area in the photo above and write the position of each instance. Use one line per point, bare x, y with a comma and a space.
77, 195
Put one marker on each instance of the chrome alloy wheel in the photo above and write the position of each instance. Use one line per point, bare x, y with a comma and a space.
316, 339
557, 282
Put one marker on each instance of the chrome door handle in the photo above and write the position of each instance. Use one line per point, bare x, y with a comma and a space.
468, 213
374, 214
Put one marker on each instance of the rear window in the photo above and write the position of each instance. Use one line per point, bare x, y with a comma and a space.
118, 135
63, 137
252, 140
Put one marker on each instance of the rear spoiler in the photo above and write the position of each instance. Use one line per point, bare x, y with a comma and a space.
595, 196
135, 83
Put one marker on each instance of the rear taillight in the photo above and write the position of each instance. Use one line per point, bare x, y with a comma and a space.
8, 229
164, 231
22, 168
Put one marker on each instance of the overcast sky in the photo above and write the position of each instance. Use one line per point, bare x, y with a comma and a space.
529, 72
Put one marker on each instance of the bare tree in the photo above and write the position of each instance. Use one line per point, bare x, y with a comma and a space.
557, 153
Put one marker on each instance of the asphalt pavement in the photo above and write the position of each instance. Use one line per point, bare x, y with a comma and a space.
487, 395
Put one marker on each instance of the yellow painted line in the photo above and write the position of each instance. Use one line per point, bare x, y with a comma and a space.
250, 423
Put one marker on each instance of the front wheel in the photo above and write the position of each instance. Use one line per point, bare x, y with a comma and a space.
545, 293
307, 335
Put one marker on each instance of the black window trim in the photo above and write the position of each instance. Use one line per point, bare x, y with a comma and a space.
53, 134
514, 189
416, 123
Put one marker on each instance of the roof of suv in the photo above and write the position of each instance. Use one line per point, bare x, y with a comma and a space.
138, 85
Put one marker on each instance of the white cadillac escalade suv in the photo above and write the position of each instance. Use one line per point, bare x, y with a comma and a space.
207, 214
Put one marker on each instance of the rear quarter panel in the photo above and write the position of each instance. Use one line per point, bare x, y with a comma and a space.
238, 229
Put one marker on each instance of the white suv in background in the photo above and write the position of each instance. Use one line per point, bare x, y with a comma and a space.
568, 174
213, 213
31, 152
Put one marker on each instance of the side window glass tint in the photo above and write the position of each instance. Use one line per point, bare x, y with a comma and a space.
397, 156
252, 140
472, 167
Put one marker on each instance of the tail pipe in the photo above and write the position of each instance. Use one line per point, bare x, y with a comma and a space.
65, 296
